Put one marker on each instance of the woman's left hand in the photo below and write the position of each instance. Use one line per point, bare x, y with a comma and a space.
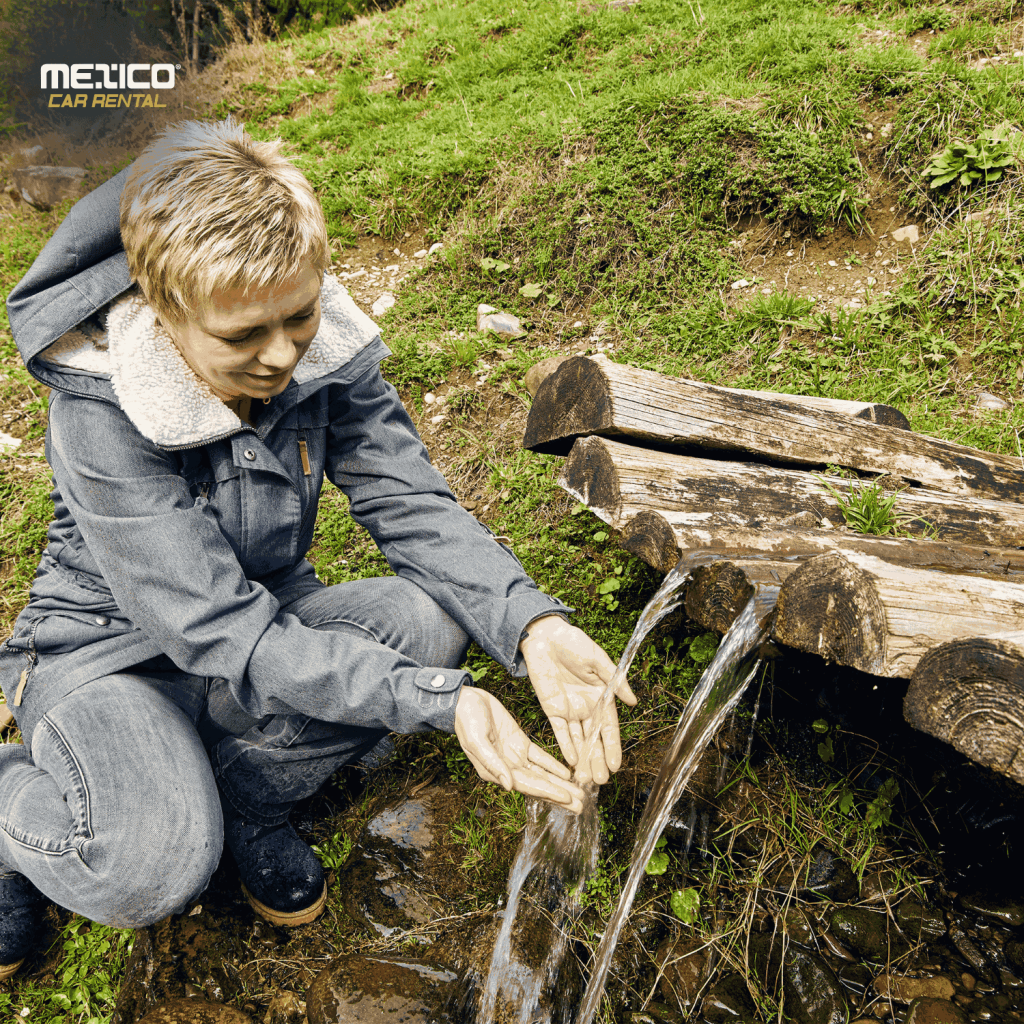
501, 752
569, 672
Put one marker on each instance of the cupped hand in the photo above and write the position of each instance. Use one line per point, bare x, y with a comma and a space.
501, 752
570, 672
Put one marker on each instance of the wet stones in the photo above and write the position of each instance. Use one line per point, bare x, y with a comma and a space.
1002, 911
194, 1011
934, 1011
919, 922
811, 992
868, 934
381, 990
826, 877
385, 882
728, 1000
684, 965
906, 990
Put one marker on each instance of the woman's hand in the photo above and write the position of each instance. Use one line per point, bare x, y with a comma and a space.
569, 672
501, 752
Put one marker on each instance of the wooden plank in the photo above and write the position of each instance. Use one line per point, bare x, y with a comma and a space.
586, 397
662, 540
970, 693
882, 618
619, 481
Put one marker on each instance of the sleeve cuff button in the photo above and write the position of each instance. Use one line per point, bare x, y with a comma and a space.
437, 681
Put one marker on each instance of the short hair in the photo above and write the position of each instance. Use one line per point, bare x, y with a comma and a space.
207, 207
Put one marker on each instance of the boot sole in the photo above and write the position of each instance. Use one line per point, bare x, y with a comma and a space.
287, 919
6, 970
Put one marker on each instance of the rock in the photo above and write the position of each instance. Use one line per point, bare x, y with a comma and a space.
825, 876
285, 1008
796, 925
379, 990
8, 443
44, 187
657, 1013
920, 923
1001, 910
868, 934
436, 247
811, 992
539, 372
419, 254
683, 963
504, 325
31, 155
1014, 951
986, 401
741, 283
908, 234
194, 1011
906, 990
385, 880
878, 887
728, 1000
384, 302
934, 1011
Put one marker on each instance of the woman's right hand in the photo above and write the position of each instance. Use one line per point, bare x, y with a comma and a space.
502, 753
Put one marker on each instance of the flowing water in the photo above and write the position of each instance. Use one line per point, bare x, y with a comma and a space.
718, 691
558, 854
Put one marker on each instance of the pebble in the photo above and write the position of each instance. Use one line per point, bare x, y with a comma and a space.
429, 398
985, 402
504, 325
384, 302
8, 443
906, 234
906, 990
741, 283
419, 254
437, 419
436, 247
934, 1011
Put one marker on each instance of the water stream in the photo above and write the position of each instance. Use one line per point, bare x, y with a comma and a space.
718, 691
562, 848
559, 850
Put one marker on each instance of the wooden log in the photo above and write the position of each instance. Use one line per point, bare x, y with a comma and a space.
619, 481
873, 412
882, 618
585, 397
970, 693
661, 540
720, 591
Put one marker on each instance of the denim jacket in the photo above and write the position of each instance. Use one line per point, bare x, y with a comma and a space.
180, 529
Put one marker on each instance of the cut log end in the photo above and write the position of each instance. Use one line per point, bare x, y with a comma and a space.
970, 694
650, 537
829, 607
590, 476
716, 595
574, 400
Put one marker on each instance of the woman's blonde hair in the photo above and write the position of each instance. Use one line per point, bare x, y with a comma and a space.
206, 207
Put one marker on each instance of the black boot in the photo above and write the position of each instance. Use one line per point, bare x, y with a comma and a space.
21, 921
281, 876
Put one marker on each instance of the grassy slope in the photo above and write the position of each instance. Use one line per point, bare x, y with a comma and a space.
607, 157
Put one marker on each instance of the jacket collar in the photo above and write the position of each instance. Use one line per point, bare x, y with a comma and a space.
161, 394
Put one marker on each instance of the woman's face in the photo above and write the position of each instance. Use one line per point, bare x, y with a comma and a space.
249, 343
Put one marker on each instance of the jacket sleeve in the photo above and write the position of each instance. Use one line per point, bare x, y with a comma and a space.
376, 457
175, 575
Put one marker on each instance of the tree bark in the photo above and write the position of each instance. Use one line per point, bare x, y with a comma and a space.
881, 618
586, 397
661, 541
970, 693
619, 481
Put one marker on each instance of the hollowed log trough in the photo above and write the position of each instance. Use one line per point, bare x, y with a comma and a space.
738, 487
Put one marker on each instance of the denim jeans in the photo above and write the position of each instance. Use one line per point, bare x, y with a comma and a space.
116, 811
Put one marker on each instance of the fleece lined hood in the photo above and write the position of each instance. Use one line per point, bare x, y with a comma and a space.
82, 327
160, 393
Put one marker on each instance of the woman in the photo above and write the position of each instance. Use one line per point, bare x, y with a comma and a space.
180, 676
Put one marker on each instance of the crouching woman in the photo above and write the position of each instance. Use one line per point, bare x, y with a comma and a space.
180, 676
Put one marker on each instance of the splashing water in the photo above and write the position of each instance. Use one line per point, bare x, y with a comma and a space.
563, 848
718, 691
